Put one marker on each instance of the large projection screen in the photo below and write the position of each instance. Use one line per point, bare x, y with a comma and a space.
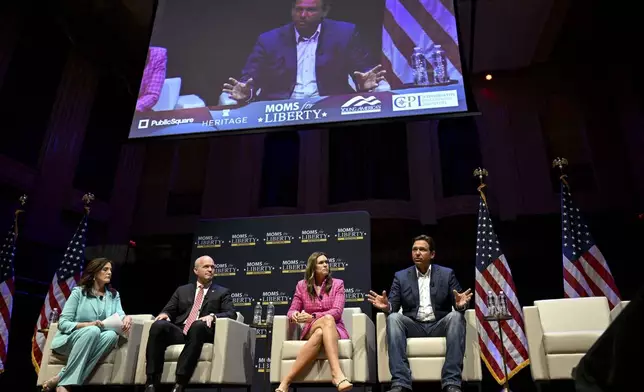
216, 66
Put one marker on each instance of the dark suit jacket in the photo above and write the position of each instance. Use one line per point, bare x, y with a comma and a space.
217, 300
404, 291
273, 62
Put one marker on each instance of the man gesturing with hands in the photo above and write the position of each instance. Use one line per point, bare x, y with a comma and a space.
426, 293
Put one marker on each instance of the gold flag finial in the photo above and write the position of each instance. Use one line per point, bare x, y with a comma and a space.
23, 200
560, 163
88, 198
481, 173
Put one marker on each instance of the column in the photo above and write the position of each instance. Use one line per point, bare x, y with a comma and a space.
310, 195
11, 22
233, 176
61, 148
124, 195
498, 152
422, 168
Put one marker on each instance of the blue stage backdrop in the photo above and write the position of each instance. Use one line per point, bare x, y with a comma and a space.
262, 259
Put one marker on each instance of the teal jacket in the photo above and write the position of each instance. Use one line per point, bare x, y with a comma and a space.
81, 308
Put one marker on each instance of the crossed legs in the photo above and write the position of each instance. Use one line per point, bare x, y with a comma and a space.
323, 333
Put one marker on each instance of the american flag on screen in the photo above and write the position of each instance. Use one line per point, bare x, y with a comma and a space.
418, 23
585, 271
493, 274
65, 279
7, 254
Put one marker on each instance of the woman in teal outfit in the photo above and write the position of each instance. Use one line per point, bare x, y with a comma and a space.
81, 337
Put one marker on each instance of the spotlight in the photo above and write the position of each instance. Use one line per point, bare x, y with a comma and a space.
488, 77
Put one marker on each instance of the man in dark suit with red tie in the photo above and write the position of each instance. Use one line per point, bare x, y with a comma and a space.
189, 318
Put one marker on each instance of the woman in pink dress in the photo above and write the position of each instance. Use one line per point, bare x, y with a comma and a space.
318, 303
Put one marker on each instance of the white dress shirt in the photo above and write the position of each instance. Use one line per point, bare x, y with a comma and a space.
306, 85
425, 310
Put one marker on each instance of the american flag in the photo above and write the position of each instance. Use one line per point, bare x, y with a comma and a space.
418, 23
7, 254
585, 271
65, 279
493, 274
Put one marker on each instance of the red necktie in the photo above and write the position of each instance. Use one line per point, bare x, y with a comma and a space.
195, 310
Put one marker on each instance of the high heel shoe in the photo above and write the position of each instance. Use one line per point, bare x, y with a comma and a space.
346, 388
51, 384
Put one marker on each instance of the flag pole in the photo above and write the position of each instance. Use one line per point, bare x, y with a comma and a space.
23, 201
8, 286
481, 173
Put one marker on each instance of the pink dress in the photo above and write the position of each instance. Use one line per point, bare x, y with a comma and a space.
330, 303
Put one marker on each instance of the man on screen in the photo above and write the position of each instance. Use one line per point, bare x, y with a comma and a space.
310, 57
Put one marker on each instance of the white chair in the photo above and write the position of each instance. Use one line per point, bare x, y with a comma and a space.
116, 368
357, 354
169, 99
427, 355
618, 309
228, 360
560, 332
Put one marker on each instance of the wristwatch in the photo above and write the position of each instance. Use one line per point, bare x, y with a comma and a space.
212, 315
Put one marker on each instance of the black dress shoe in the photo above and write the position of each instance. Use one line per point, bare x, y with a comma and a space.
397, 388
452, 388
150, 388
178, 388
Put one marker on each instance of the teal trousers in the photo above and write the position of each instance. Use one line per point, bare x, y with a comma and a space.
83, 350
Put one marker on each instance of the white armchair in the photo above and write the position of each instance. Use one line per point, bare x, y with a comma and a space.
357, 354
560, 332
228, 360
169, 99
427, 355
116, 368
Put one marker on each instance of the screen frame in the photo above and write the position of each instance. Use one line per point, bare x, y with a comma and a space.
472, 108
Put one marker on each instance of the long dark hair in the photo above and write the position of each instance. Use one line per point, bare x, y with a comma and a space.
309, 275
91, 269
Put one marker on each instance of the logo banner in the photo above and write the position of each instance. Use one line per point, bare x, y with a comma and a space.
262, 259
